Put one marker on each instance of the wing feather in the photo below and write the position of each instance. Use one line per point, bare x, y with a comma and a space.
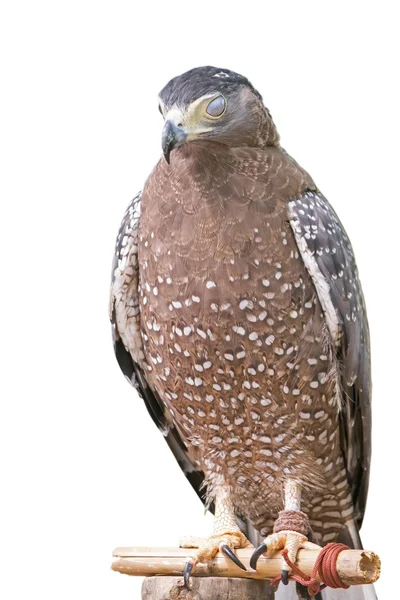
329, 258
127, 339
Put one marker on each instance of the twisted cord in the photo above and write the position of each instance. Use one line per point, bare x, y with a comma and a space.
325, 567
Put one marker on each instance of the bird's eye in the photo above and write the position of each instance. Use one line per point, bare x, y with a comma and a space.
216, 107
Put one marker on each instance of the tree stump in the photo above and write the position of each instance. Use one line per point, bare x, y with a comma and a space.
206, 588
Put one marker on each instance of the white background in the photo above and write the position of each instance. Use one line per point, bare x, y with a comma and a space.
83, 469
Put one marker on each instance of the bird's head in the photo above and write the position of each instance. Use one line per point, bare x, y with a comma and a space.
215, 105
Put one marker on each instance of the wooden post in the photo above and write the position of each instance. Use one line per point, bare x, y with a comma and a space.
205, 588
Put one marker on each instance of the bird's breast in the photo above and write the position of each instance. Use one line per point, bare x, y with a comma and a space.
233, 331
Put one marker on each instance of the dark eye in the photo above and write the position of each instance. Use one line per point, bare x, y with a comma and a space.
160, 109
216, 107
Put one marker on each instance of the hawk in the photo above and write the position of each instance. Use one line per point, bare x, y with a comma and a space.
239, 317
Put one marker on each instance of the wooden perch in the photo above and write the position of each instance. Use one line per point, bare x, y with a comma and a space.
354, 567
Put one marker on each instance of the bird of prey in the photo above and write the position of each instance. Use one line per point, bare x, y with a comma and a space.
238, 316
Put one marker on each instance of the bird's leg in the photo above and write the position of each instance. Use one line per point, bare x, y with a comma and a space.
290, 531
226, 536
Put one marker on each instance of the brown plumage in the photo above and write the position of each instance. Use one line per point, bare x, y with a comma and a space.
236, 302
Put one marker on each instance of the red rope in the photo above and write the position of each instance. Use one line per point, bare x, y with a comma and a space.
325, 567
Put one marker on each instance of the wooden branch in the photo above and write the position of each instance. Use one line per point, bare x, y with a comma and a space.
354, 567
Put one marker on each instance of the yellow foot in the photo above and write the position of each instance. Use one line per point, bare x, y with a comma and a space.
223, 541
292, 541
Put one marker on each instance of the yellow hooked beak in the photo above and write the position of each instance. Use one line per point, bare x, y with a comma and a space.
182, 126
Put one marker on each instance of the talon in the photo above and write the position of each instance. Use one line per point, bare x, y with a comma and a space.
285, 576
186, 573
256, 555
224, 541
230, 554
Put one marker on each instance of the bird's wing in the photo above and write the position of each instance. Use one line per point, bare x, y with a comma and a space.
127, 339
328, 256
